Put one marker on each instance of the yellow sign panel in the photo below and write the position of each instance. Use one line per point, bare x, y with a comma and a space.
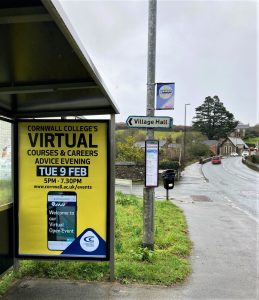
62, 196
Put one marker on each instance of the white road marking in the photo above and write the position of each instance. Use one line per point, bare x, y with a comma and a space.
233, 173
242, 210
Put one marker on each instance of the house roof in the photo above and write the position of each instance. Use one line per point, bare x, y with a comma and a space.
210, 142
237, 141
141, 144
45, 69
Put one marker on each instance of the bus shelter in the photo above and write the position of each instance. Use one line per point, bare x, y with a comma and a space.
47, 73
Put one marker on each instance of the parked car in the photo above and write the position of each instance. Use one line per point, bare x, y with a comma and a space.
245, 154
233, 154
216, 160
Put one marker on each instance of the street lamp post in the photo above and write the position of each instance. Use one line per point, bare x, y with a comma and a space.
184, 136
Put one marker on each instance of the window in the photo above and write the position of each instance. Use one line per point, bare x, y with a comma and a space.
5, 163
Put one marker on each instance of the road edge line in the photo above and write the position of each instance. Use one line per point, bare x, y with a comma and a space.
201, 168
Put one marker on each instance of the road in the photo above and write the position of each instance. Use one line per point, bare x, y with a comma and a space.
234, 182
230, 183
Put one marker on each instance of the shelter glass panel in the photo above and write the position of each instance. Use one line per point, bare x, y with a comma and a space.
5, 163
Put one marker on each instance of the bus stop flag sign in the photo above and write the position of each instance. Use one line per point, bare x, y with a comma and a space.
165, 96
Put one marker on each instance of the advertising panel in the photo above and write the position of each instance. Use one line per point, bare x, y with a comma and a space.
152, 154
62, 189
165, 96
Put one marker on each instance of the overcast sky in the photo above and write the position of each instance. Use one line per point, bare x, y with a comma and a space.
206, 47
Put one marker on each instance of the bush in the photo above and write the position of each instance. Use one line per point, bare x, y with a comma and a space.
198, 150
255, 159
166, 164
127, 151
251, 165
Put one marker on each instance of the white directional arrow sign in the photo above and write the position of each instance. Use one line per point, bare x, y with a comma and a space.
149, 122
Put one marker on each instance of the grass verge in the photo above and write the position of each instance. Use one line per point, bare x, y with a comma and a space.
250, 164
5, 281
166, 265
254, 140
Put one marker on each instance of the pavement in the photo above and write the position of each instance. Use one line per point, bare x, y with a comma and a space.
224, 256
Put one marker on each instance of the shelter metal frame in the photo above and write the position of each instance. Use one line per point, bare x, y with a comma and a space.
46, 72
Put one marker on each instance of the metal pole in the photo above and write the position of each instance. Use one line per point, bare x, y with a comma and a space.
184, 135
148, 192
112, 197
16, 264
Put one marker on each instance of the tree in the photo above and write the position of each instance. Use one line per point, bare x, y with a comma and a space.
213, 119
198, 150
252, 132
127, 151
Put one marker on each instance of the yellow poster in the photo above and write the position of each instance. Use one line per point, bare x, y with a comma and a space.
62, 188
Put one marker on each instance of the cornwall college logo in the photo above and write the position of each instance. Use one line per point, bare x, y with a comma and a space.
89, 241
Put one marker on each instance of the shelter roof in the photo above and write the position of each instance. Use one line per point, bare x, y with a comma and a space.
45, 70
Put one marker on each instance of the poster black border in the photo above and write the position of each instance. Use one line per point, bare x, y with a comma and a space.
16, 191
